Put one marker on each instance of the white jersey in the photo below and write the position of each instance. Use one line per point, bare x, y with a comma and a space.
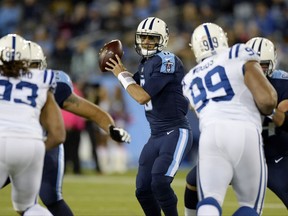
216, 88
21, 101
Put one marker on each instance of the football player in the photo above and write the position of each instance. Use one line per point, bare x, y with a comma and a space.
274, 132
25, 98
275, 127
229, 92
157, 86
53, 172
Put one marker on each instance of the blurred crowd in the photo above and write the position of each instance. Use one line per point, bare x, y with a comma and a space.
71, 33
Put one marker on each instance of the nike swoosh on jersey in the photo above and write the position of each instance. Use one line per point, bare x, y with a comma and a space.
278, 160
169, 132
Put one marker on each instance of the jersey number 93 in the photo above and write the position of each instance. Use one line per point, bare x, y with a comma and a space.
29, 92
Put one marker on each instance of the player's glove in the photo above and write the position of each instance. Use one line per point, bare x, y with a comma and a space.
119, 134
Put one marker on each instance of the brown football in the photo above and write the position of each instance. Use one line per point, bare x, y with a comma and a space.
109, 50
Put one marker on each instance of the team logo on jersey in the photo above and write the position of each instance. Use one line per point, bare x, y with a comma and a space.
168, 64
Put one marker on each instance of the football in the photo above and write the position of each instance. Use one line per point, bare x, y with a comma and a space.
109, 50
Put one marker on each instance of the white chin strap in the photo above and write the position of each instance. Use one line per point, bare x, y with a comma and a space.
147, 53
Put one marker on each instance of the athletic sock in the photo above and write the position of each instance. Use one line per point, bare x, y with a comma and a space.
190, 198
60, 208
189, 212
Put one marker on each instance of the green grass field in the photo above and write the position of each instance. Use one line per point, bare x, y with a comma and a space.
113, 195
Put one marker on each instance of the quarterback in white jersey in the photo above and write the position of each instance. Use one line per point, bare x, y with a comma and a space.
25, 101
228, 91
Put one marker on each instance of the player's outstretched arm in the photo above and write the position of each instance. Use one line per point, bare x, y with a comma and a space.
263, 92
52, 121
84, 108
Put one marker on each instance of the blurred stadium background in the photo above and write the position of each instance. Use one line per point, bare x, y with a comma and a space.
71, 32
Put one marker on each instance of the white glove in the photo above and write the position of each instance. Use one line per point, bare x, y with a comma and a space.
119, 134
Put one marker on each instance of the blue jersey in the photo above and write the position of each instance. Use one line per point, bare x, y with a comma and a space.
64, 87
279, 80
160, 76
53, 171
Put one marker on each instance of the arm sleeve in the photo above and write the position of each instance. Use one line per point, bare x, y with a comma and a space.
64, 87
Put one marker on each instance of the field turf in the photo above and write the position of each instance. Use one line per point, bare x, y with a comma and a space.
113, 195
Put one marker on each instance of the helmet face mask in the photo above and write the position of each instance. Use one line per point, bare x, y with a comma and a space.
267, 52
38, 59
14, 48
206, 40
152, 36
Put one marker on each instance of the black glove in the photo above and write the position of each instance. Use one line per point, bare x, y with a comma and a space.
119, 134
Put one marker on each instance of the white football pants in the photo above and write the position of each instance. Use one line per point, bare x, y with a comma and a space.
22, 160
232, 152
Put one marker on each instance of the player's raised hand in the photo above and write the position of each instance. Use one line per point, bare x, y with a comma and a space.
119, 134
116, 66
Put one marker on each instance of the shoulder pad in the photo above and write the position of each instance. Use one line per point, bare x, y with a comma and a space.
168, 62
279, 74
63, 77
50, 78
243, 52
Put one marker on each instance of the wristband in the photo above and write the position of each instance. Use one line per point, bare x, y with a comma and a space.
126, 79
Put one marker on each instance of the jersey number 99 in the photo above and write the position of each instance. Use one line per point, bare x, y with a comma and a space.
209, 44
207, 88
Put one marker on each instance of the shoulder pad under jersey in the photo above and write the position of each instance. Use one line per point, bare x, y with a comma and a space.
168, 62
50, 77
62, 77
279, 74
243, 52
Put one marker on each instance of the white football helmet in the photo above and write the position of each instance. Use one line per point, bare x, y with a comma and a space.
152, 26
267, 52
207, 39
37, 55
14, 48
